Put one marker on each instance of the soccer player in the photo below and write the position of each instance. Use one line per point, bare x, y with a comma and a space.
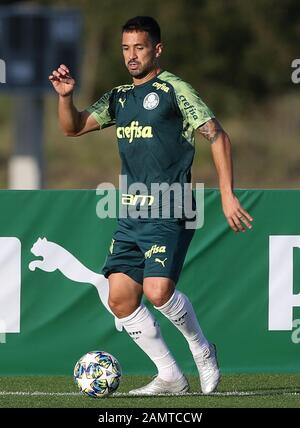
155, 119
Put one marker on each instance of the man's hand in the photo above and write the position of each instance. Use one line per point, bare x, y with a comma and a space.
62, 81
236, 216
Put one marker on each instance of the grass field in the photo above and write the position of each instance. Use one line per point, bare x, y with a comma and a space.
241, 390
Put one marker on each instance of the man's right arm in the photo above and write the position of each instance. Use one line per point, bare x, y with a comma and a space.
72, 122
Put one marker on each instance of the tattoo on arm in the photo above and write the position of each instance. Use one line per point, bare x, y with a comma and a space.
211, 130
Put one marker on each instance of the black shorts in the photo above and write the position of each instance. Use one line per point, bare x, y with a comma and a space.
142, 249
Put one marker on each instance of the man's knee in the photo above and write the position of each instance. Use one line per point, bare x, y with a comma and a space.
158, 290
124, 295
121, 309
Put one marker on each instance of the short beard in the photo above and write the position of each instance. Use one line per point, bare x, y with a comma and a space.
138, 74
141, 74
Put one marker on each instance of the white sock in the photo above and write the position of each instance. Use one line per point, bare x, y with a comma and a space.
144, 330
180, 312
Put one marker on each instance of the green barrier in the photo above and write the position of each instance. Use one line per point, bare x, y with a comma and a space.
245, 287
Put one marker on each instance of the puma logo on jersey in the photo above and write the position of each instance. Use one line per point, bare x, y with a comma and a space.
154, 250
161, 261
122, 102
134, 130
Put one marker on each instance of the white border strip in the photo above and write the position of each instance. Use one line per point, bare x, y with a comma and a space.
295, 392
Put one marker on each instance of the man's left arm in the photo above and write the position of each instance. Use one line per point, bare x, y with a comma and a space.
235, 214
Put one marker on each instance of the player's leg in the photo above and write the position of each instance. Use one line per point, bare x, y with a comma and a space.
172, 241
179, 310
125, 301
124, 268
160, 291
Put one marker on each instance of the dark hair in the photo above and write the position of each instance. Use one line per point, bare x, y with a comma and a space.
143, 23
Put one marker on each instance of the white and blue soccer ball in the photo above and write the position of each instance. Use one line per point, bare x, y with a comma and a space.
97, 374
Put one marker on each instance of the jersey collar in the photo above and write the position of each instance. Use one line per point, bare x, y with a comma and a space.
149, 82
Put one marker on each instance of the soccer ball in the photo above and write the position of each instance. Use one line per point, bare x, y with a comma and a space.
97, 374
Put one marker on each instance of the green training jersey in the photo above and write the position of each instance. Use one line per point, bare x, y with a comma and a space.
155, 124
